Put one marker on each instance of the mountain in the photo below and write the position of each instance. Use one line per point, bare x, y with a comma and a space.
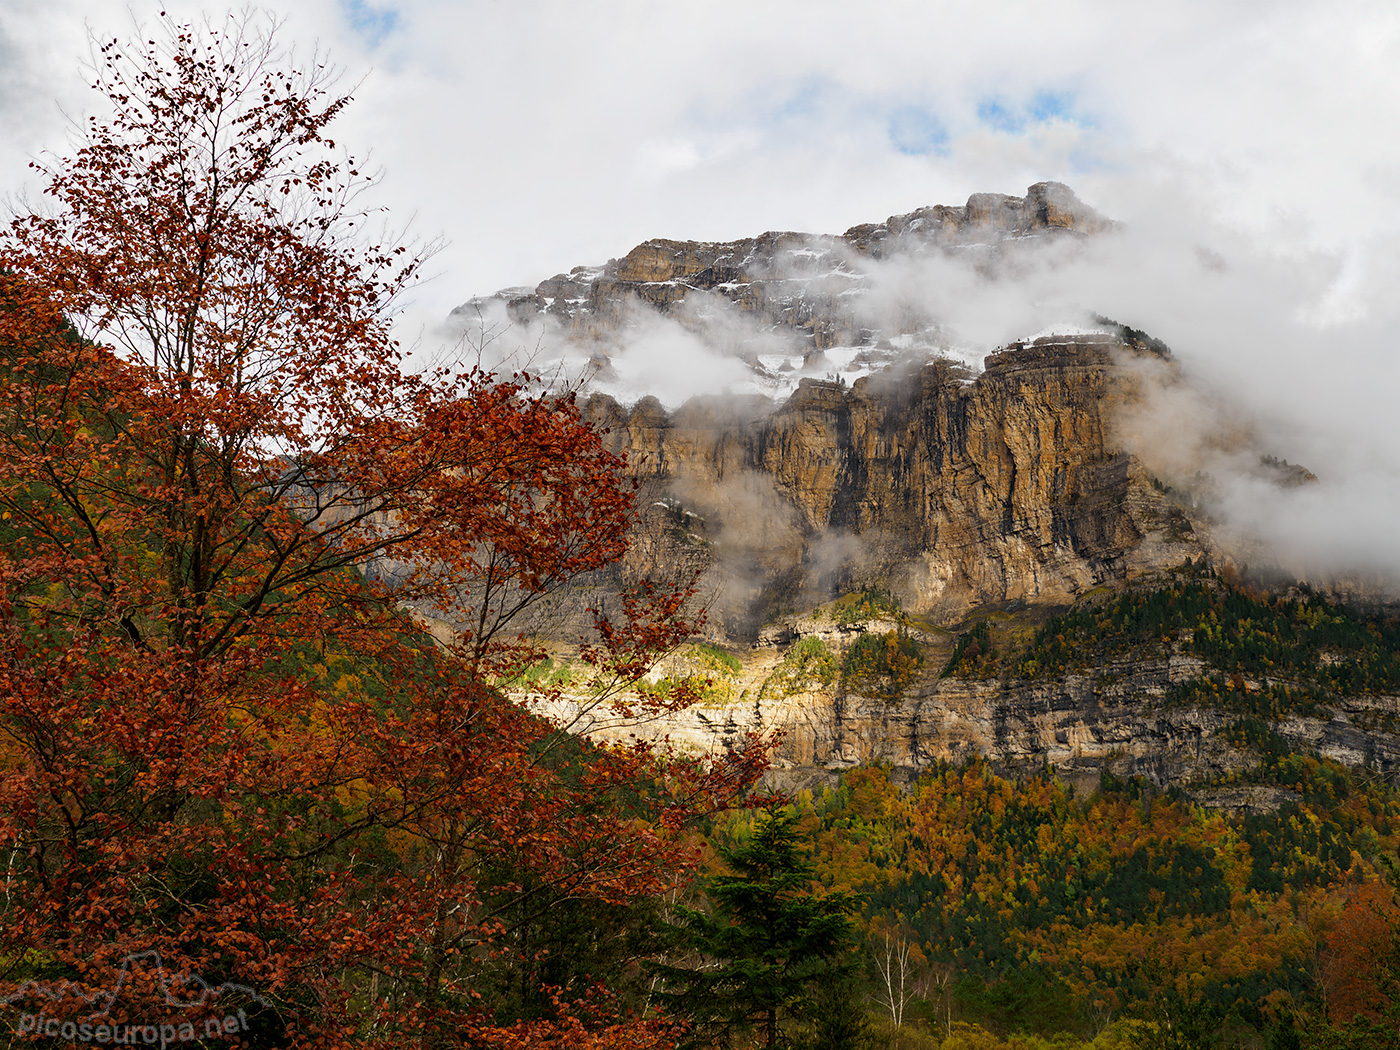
854, 454
950, 490
872, 496
790, 305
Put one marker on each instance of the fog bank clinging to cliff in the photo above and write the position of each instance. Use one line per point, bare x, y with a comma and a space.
1290, 354
1300, 346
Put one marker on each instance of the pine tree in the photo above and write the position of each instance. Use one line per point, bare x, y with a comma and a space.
766, 944
836, 1019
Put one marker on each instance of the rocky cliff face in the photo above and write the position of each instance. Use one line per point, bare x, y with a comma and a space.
806, 294
961, 485
888, 456
951, 490
1116, 719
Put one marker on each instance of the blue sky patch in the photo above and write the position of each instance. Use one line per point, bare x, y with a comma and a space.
807, 101
915, 131
1012, 118
996, 115
371, 21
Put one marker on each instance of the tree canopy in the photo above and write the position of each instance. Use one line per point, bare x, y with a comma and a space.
227, 512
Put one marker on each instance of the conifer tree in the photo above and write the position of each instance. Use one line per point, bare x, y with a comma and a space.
766, 944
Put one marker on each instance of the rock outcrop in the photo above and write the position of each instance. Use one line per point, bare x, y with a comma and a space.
952, 491
954, 486
808, 285
958, 486
1116, 719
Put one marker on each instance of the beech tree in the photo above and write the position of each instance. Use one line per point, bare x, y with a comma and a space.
226, 511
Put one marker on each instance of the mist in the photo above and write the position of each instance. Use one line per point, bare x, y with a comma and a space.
1289, 354
1285, 354
1297, 348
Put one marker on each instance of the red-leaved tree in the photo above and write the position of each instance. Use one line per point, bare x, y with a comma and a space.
240, 786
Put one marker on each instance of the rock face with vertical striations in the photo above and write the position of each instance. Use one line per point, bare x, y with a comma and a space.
950, 490
870, 456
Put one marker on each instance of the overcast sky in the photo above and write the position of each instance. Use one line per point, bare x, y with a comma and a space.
536, 136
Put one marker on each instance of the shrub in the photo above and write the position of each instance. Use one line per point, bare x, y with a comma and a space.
866, 604
808, 661
972, 656
884, 664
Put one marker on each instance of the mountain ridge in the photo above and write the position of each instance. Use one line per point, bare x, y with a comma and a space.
981, 492
786, 304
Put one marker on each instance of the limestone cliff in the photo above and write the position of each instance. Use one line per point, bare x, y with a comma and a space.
951, 490
810, 293
889, 455
959, 486
1116, 718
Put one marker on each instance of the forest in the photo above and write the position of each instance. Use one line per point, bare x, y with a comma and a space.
1020, 914
261, 781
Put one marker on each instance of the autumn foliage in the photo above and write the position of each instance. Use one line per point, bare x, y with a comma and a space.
1024, 906
227, 510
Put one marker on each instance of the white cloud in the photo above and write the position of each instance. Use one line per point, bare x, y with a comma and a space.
540, 136
661, 157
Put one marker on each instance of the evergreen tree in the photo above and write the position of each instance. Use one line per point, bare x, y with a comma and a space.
767, 942
836, 1018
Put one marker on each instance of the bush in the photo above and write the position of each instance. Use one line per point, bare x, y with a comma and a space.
973, 655
808, 661
716, 659
883, 663
866, 604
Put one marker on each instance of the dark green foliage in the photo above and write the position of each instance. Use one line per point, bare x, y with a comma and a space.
1039, 903
835, 1019
1358, 1033
973, 655
1260, 737
683, 525
1285, 473
765, 946
1183, 878
1304, 649
1288, 849
865, 604
1272, 701
1283, 1034
1135, 336
1030, 998
1176, 1023
882, 664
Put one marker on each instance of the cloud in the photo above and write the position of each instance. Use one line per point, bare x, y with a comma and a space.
659, 357
537, 137
915, 131
1294, 355
662, 157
